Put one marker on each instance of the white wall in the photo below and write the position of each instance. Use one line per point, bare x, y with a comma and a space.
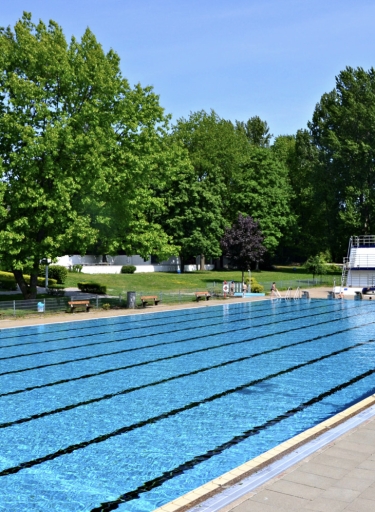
93, 264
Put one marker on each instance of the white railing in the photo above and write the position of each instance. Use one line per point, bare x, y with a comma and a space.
363, 241
360, 261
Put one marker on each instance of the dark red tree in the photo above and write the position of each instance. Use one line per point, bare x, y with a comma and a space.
242, 243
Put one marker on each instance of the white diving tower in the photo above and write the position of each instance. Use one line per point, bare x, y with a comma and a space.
359, 266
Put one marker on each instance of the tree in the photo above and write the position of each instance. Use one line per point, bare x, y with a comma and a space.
77, 145
316, 265
342, 128
242, 243
262, 190
306, 232
256, 131
197, 196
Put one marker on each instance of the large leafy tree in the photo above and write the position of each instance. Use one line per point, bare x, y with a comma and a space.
242, 243
77, 145
343, 130
256, 131
198, 200
305, 234
262, 190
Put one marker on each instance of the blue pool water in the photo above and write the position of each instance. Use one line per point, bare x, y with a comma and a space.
128, 413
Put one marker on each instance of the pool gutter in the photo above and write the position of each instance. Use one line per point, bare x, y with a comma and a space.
225, 481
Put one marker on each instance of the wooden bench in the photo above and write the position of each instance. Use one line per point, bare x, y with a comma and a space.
80, 303
201, 295
150, 298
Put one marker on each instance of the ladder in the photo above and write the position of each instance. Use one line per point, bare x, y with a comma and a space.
288, 294
297, 294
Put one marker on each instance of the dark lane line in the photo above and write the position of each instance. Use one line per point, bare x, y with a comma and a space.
111, 370
127, 339
142, 318
109, 354
104, 437
190, 464
88, 335
163, 381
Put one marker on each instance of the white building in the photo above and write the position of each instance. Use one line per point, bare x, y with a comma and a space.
94, 264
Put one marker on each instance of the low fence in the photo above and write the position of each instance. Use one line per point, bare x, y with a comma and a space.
21, 308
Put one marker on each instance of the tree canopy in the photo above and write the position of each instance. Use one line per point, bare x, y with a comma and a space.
78, 147
242, 243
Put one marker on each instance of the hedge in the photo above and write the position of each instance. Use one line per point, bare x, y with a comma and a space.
58, 290
57, 272
128, 269
92, 288
8, 277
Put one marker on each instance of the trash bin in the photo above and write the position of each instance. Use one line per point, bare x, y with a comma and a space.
130, 303
40, 307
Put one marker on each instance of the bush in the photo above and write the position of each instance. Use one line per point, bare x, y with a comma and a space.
254, 285
57, 272
41, 280
106, 306
77, 267
257, 288
8, 277
8, 285
128, 269
58, 290
92, 288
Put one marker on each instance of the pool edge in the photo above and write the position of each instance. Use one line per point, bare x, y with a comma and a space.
206, 491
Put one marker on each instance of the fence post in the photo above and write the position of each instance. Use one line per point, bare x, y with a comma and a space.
44, 308
14, 308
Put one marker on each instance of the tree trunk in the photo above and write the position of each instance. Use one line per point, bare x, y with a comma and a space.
20, 280
203, 262
29, 291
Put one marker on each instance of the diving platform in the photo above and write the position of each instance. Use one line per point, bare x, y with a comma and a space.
359, 265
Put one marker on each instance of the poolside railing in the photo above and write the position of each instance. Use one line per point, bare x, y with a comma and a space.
21, 308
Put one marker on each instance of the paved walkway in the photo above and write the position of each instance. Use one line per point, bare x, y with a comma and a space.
339, 477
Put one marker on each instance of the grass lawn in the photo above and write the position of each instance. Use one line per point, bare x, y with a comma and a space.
167, 281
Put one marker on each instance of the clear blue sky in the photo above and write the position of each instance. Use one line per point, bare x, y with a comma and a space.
271, 58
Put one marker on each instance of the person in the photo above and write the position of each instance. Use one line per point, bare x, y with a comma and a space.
274, 290
244, 288
232, 288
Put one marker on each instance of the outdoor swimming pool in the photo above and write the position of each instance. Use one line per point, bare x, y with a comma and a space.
129, 413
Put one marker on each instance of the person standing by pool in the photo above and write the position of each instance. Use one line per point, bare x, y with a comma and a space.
232, 288
244, 289
274, 290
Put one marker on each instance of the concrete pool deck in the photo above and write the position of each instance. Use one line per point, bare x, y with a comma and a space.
340, 476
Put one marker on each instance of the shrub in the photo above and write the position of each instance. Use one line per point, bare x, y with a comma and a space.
9, 278
254, 285
77, 268
128, 269
8, 285
257, 288
41, 280
106, 306
92, 288
58, 290
57, 272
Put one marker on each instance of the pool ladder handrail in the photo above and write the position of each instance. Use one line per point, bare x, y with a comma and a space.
297, 294
288, 294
